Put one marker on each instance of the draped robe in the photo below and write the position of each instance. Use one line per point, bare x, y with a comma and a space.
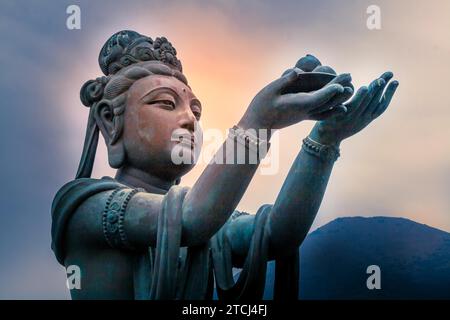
169, 271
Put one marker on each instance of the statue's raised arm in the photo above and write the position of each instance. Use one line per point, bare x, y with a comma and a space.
141, 235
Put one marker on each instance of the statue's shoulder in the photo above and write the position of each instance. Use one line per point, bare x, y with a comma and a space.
69, 200
75, 192
81, 186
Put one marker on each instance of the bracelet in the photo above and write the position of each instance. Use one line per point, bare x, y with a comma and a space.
237, 214
113, 218
256, 146
322, 151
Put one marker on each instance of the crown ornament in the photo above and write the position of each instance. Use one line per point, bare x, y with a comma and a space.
127, 47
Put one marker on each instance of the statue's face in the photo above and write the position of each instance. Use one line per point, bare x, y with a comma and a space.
158, 109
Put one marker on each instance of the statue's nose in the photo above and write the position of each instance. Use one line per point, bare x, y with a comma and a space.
187, 119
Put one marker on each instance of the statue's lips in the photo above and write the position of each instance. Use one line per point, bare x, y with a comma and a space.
310, 81
187, 140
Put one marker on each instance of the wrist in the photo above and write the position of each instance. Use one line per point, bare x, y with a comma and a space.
324, 152
249, 122
322, 136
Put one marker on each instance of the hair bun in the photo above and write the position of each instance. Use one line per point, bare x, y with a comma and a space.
92, 91
127, 47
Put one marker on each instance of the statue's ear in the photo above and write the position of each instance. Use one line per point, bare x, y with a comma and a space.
104, 116
108, 124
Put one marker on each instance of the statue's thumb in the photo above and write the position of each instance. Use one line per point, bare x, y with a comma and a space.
287, 78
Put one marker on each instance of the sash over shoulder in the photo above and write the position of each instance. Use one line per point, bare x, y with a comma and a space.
67, 200
252, 280
169, 271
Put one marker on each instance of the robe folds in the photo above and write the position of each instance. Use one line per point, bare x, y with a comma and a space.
171, 272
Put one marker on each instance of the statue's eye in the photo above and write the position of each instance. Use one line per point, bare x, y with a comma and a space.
196, 110
197, 114
168, 103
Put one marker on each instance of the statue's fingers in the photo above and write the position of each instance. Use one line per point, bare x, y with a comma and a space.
386, 99
320, 97
336, 100
312, 100
373, 90
374, 103
344, 79
350, 85
330, 114
377, 97
387, 76
357, 99
288, 78
341, 98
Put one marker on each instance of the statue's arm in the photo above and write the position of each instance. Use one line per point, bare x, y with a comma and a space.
298, 201
140, 220
216, 193
86, 226
291, 215
205, 208
218, 190
215, 196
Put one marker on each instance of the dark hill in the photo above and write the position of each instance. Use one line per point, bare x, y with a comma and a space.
414, 260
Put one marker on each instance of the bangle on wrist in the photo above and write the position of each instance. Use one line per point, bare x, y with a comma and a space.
256, 146
322, 151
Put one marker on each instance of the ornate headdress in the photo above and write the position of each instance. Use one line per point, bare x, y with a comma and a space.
121, 50
127, 47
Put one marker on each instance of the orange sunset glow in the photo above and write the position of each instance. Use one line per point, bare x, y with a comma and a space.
385, 170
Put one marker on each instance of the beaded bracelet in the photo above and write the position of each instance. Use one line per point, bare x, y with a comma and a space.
252, 143
322, 151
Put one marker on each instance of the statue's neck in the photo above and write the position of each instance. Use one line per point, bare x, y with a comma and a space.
139, 179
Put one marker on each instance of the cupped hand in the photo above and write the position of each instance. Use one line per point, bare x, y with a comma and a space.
366, 105
273, 109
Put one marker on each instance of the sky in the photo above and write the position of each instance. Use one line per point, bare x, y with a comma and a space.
399, 166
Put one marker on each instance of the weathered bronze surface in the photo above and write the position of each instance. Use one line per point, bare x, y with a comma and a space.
141, 235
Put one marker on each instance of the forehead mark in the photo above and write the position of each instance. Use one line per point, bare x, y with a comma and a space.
160, 82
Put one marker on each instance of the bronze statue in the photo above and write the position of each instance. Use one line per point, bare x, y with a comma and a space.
141, 235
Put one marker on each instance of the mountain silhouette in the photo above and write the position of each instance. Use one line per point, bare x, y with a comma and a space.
414, 260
